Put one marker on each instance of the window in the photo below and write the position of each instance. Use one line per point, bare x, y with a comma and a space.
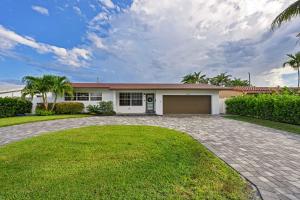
96, 96
78, 96
130, 99
124, 99
82, 96
136, 99
69, 97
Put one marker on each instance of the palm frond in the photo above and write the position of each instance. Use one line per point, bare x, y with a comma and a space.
290, 12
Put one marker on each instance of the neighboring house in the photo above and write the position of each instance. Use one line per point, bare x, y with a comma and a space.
11, 93
237, 91
143, 98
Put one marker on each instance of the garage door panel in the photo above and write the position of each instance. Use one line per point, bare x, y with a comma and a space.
187, 104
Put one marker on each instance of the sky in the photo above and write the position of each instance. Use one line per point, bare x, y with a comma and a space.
145, 41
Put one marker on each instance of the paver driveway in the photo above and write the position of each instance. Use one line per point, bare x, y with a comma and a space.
268, 158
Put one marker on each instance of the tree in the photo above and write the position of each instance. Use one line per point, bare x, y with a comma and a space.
237, 82
37, 85
195, 77
60, 86
222, 79
290, 12
294, 62
45, 84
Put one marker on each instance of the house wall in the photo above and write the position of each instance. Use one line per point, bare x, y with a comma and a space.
229, 93
111, 95
107, 95
131, 109
11, 94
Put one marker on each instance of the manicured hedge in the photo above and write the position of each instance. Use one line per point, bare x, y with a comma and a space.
69, 108
14, 106
282, 108
64, 107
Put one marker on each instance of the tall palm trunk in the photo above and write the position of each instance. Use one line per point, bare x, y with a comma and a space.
45, 101
54, 102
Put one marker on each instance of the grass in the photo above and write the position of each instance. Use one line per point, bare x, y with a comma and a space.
267, 123
9, 121
115, 162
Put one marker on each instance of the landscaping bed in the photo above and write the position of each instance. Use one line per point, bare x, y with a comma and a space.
116, 162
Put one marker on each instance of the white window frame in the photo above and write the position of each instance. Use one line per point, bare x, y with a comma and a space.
95, 96
131, 97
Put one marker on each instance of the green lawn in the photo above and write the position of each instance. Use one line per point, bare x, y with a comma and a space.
115, 162
8, 121
271, 124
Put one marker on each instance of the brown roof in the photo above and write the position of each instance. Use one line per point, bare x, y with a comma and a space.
255, 90
148, 86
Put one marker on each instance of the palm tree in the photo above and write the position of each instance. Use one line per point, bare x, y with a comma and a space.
193, 78
31, 86
37, 85
290, 12
43, 85
237, 82
222, 79
294, 62
60, 86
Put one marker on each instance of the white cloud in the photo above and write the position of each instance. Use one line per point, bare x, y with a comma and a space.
161, 40
77, 10
40, 9
76, 57
96, 41
107, 3
275, 77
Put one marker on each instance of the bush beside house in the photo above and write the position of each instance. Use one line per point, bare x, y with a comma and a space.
60, 108
103, 108
10, 107
281, 108
69, 108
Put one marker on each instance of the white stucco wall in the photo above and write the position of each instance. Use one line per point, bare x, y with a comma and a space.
11, 94
111, 95
132, 109
214, 98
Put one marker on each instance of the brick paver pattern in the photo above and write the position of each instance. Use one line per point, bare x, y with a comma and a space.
268, 158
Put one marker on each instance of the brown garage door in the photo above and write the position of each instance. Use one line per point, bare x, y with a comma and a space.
186, 104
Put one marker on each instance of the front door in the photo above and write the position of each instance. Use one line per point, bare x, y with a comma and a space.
149, 103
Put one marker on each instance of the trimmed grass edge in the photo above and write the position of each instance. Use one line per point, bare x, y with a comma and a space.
32, 119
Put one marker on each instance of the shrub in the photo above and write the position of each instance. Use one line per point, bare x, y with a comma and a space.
69, 108
14, 106
41, 106
282, 108
42, 112
93, 109
103, 108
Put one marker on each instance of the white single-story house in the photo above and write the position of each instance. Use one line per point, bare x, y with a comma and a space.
149, 98
11, 93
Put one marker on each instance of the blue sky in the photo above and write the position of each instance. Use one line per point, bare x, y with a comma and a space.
145, 41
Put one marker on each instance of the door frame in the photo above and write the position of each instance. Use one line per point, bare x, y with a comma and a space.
153, 102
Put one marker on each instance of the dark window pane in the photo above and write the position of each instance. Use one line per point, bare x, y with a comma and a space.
82, 96
136, 99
